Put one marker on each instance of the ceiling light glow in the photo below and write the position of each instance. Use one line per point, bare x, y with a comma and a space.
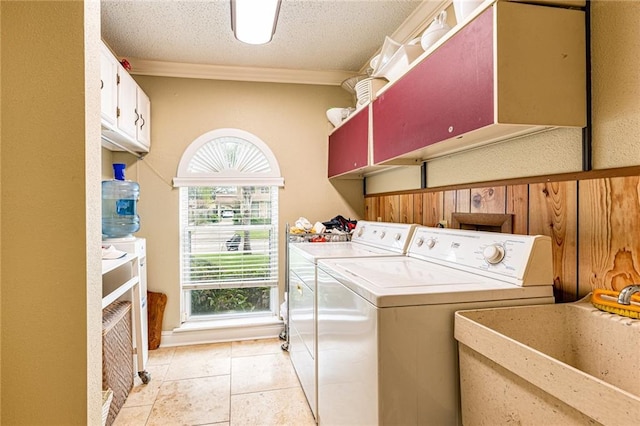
254, 21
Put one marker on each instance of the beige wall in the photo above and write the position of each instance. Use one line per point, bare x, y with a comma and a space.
616, 83
289, 118
615, 43
557, 151
394, 179
50, 277
107, 159
0, 219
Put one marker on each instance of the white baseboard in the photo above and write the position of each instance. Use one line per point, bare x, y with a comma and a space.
209, 332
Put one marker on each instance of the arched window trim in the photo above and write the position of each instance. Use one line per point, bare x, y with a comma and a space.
185, 177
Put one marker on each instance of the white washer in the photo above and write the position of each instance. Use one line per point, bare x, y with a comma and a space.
369, 239
386, 351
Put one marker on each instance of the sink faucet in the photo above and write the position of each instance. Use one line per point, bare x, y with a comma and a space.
624, 298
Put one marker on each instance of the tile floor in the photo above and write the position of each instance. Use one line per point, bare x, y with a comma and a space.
239, 383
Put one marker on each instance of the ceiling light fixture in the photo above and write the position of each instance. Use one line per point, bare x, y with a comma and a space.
254, 21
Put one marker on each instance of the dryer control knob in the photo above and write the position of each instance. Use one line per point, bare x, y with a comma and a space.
360, 231
431, 242
382, 234
420, 241
397, 236
493, 253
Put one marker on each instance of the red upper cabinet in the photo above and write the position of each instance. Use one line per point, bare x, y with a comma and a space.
349, 145
515, 69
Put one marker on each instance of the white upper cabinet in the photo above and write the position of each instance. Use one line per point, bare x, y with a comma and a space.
108, 86
143, 109
126, 118
127, 95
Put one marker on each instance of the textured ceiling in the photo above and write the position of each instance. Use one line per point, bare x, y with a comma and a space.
310, 35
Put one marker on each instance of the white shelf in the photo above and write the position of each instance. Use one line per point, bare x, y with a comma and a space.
111, 264
128, 288
115, 294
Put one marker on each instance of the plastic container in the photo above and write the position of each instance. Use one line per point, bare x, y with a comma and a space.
119, 205
435, 31
464, 8
389, 48
399, 62
335, 116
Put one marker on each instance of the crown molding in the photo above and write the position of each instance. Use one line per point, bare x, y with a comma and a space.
221, 72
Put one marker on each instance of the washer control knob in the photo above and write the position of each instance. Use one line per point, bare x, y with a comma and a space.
382, 234
360, 231
431, 242
397, 236
419, 242
493, 253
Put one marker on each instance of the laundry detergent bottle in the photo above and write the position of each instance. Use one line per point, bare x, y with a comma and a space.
119, 205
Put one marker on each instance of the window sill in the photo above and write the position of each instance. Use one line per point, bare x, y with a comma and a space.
198, 325
200, 332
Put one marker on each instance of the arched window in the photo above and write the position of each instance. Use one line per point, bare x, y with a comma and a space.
228, 181
228, 156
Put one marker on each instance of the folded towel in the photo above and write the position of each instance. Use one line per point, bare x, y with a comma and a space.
109, 253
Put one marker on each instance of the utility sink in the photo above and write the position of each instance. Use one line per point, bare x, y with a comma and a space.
548, 364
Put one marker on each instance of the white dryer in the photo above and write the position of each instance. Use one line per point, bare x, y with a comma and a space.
386, 350
369, 239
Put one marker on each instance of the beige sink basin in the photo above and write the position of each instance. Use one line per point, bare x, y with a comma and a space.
548, 364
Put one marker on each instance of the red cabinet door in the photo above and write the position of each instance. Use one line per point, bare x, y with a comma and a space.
349, 144
449, 93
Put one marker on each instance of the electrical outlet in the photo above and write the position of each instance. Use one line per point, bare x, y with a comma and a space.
442, 224
379, 219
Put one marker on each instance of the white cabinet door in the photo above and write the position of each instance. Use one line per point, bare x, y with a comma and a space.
127, 96
144, 120
108, 86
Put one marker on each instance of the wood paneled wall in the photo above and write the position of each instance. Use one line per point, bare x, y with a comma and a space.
594, 224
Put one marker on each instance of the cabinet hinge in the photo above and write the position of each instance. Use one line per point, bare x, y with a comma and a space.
117, 78
117, 112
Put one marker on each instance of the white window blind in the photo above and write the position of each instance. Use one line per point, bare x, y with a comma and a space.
229, 236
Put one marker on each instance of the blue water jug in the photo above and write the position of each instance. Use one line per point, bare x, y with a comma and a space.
119, 211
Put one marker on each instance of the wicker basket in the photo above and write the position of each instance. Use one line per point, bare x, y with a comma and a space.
117, 354
107, 397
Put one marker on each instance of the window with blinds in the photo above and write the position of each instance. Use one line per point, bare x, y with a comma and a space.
229, 183
229, 243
